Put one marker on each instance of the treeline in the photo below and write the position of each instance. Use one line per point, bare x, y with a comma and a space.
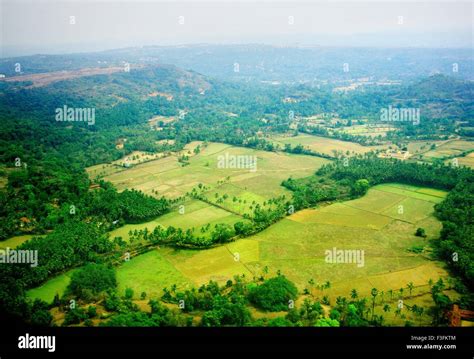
206, 237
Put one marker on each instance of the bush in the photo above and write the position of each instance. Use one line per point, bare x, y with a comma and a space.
274, 294
420, 232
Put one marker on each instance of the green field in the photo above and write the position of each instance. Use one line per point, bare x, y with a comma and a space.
150, 272
48, 290
326, 145
297, 247
14, 242
171, 179
196, 214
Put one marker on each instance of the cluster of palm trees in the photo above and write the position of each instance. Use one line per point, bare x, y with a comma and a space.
378, 297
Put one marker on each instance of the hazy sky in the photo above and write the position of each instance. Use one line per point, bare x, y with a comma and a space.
31, 26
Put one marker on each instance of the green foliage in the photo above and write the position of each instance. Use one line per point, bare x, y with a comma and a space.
274, 294
91, 280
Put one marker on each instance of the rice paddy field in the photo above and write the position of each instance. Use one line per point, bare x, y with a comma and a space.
170, 178
326, 145
368, 130
449, 148
465, 161
14, 242
194, 213
382, 224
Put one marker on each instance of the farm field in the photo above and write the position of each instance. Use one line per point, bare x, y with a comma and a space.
449, 148
296, 246
168, 177
465, 161
417, 147
325, 145
196, 214
366, 130
14, 242
48, 290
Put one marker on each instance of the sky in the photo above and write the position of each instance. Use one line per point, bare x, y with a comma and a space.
44, 26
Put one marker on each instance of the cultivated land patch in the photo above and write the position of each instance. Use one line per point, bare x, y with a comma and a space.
297, 247
194, 213
464, 161
48, 290
170, 178
326, 145
149, 273
449, 148
14, 242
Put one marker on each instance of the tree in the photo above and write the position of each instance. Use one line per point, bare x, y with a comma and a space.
420, 232
274, 294
360, 187
91, 280
374, 292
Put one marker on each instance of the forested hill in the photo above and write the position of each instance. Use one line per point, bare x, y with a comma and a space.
267, 63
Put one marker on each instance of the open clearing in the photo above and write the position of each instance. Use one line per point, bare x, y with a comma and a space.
326, 145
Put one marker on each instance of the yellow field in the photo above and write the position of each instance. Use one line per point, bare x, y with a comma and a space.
449, 148
326, 145
171, 179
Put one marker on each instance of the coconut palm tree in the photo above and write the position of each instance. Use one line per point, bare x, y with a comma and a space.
410, 287
374, 292
354, 294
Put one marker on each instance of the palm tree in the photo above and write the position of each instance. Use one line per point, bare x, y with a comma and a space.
401, 292
374, 292
386, 308
354, 294
410, 287
391, 294
398, 311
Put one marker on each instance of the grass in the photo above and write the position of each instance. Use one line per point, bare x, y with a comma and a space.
464, 161
449, 148
296, 246
325, 145
150, 272
48, 290
171, 179
196, 214
14, 242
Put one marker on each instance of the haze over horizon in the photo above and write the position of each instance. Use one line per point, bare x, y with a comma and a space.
31, 27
